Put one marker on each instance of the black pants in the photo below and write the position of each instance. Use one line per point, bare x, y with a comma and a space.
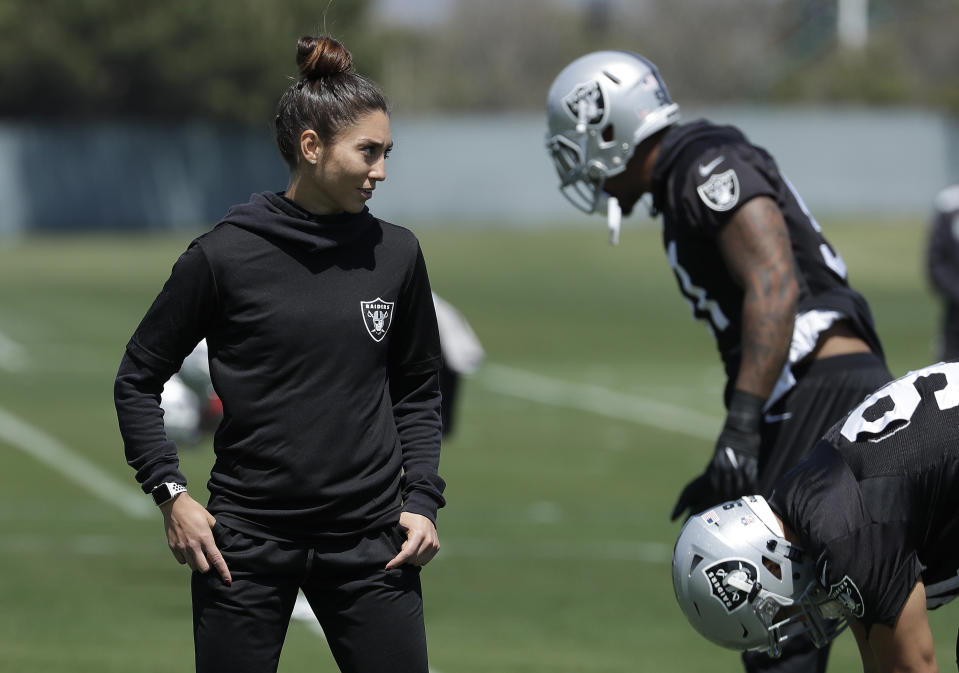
825, 392
372, 618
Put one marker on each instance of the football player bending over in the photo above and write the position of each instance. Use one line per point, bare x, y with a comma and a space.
797, 342
864, 532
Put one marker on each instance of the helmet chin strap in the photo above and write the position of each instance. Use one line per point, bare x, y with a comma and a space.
614, 218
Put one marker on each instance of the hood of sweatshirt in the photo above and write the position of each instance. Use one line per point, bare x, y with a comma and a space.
273, 216
696, 135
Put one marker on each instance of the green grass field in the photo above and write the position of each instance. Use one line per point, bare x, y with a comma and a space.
596, 404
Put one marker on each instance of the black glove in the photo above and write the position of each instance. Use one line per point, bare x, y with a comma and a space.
734, 468
697, 496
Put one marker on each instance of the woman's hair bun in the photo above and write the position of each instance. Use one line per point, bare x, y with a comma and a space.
328, 96
321, 57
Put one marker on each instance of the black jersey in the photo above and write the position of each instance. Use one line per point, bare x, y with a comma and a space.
877, 501
324, 350
704, 172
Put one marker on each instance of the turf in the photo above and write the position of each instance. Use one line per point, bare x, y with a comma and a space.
556, 534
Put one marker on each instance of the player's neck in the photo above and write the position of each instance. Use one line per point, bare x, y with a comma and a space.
646, 167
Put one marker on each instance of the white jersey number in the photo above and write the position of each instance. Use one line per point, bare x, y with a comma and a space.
905, 400
698, 300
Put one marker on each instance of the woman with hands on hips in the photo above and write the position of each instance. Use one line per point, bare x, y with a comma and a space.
323, 347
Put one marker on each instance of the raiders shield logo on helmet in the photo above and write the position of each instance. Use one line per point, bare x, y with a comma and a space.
377, 316
590, 96
721, 191
728, 595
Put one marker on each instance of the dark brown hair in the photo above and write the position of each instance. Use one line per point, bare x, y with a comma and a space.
329, 96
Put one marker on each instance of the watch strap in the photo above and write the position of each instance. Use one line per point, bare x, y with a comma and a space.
166, 491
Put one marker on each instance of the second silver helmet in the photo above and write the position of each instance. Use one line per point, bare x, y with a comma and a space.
740, 583
599, 108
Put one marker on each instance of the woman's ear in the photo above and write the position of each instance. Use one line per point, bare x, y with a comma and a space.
310, 148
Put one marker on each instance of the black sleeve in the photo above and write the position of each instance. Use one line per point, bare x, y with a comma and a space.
720, 180
416, 408
169, 331
870, 566
416, 346
872, 571
415, 359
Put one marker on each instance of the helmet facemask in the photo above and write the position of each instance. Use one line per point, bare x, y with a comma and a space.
581, 183
808, 613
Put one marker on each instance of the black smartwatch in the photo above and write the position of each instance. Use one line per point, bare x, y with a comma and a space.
166, 491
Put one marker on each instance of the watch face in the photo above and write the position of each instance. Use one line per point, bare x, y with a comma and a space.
166, 491
161, 494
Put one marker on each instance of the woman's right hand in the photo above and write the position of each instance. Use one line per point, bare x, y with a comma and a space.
189, 532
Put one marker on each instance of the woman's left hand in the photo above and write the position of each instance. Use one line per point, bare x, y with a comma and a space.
421, 544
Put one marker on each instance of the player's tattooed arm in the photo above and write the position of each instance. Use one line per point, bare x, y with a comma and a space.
756, 248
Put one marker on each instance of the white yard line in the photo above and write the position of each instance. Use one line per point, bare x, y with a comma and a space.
73, 466
598, 400
81, 544
13, 357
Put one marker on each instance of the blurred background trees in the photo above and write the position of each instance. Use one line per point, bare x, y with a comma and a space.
229, 60
225, 60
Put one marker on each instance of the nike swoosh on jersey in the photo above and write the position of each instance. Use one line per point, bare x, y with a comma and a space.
708, 168
776, 418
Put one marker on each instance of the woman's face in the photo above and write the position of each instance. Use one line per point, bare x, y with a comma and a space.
347, 169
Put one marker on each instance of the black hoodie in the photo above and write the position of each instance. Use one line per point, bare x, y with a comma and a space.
324, 350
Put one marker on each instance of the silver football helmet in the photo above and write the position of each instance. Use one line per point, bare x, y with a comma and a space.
599, 108
740, 583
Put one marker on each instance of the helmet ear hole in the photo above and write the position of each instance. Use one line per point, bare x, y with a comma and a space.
609, 133
697, 559
773, 567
